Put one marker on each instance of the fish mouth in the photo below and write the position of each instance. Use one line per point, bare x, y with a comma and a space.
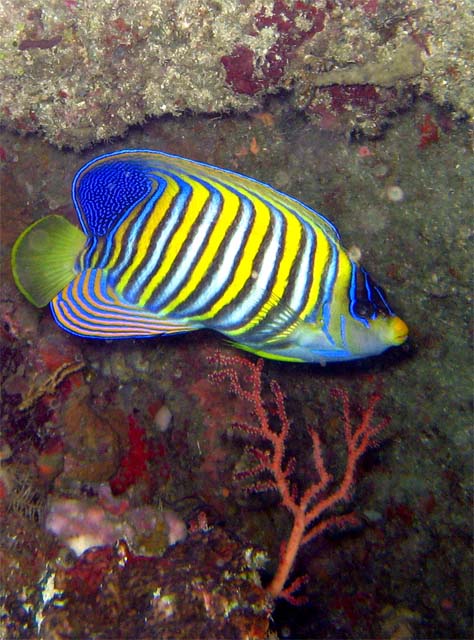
400, 331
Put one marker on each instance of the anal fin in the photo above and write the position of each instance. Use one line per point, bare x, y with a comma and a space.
90, 307
265, 352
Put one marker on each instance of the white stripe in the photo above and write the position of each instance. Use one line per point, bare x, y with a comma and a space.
185, 265
300, 284
259, 291
155, 253
219, 280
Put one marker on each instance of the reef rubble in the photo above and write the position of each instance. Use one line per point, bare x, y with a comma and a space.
82, 72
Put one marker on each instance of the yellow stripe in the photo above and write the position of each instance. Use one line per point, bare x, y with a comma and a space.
160, 210
321, 257
242, 183
199, 197
119, 238
322, 251
340, 295
94, 257
226, 217
289, 253
321, 228
244, 268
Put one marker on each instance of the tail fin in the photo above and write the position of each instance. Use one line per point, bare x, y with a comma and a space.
44, 256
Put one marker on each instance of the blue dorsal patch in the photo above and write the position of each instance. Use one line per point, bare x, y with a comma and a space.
105, 190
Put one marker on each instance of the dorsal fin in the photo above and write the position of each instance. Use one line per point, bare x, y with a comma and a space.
109, 186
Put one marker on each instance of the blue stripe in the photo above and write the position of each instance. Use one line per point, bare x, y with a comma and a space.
353, 296
327, 285
334, 355
384, 300
90, 249
343, 332
329, 282
368, 290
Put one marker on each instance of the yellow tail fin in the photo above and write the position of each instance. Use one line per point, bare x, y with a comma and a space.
44, 256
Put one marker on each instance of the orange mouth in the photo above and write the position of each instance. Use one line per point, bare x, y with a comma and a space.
400, 331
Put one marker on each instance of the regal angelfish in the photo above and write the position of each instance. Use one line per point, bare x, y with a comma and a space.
171, 245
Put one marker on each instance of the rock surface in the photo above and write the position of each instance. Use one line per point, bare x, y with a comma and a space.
82, 72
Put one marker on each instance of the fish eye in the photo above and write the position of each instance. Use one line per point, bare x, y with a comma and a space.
364, 309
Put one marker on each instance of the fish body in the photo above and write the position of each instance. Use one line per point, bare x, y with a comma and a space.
171, 245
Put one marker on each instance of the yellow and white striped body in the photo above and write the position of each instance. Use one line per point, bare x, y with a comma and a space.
175, 245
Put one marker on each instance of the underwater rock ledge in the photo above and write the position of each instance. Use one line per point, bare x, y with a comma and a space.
78, 72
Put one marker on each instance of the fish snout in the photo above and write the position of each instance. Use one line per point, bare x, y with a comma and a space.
399, 330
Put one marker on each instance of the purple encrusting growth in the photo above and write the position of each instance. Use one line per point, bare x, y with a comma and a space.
293, 25
82, 524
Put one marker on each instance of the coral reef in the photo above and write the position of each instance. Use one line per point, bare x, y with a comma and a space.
310, 509
405, 201
80, 72
134, 465
82, 524
90, 439
205, 587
